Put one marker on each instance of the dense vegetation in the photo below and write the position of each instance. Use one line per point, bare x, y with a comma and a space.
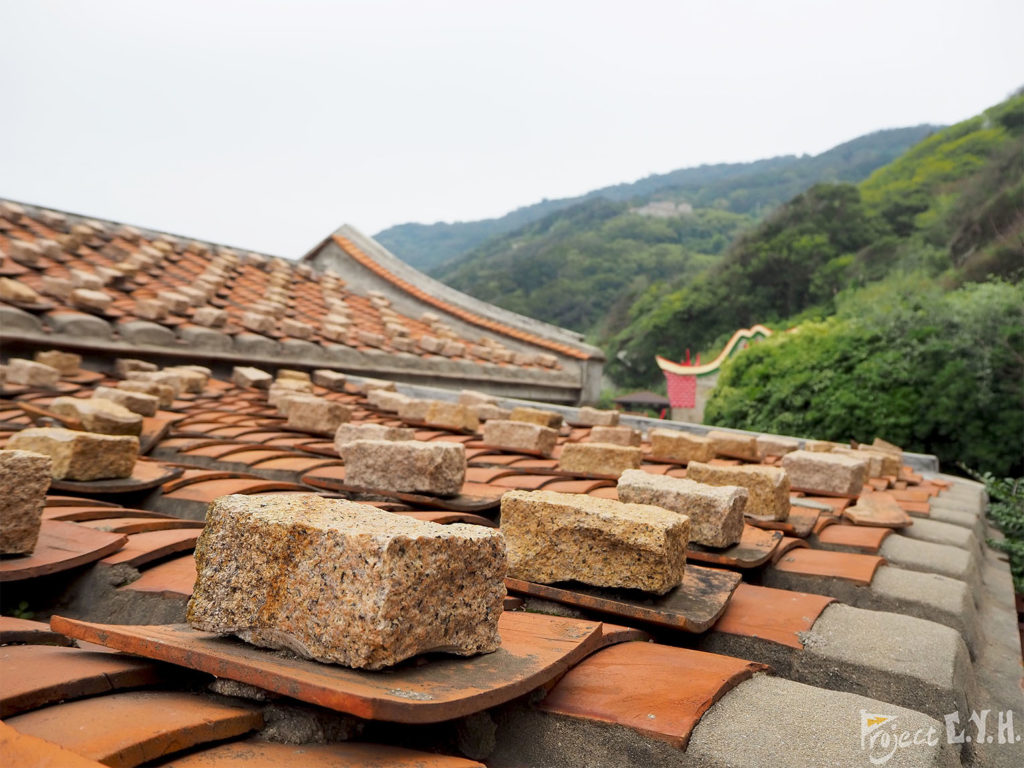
930, 352
950, 209
747, 188
934, 371
582, 268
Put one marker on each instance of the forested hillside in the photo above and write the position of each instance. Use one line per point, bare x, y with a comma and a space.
912, 303
747, 188
950, 209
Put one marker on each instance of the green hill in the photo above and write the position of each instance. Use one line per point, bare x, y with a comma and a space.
904, 296
950, 208
747, 188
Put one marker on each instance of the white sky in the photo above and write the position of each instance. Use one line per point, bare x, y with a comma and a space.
267, 124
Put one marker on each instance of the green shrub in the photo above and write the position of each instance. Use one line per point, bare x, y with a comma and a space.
936, 373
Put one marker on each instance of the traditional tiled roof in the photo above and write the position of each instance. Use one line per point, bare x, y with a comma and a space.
93, 281
884, 601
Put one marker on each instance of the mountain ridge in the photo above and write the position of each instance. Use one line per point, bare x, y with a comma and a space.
429, 246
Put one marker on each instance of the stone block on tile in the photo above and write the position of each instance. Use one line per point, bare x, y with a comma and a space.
171, 379
58, 287
68, 363
773, 445
246, 376
17, 292
386, 400
487, 412
99, 414
317, 415
193, 378
599, 458
890, 462
438, 469
454, 416
469, 397
431, 344
296, 329
125, 365
151, 309
413, 409
136, 402
368, 385
80, 455
328, 379
24, 481
176, 302
293, 375
554, 537
594, 417
616, 435
350, 433
163, 393
715, 512
210, 317
84, 298
537, 416
768, 487
519, 436
734, 445
28, 373
825, 472
258, 322
683, 447
24, 252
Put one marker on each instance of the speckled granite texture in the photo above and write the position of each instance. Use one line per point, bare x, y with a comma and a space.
24, 481
342, 582
406, 466
599, 458
768, 486
560, 536
715, 512
827, 472
80, 455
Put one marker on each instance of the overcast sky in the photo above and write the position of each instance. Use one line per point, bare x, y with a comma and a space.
267, 124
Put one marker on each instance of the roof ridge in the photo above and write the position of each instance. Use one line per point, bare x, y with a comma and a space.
464, 314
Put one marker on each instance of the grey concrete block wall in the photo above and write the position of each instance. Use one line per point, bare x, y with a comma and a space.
903, 660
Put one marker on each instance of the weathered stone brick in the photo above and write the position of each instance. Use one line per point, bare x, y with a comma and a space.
768, 487
734, 445
317, 415
345, 583
554, 537
454, 416
676, 445
715, 512
99, 414
245, 377
825, 472
136, 402
520, 436
599, 458
24, 481
537, 416
616, 435
438, 469
80, 455
773, 445
332, 380
67, 363
350, 433
594, 417
31, 374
